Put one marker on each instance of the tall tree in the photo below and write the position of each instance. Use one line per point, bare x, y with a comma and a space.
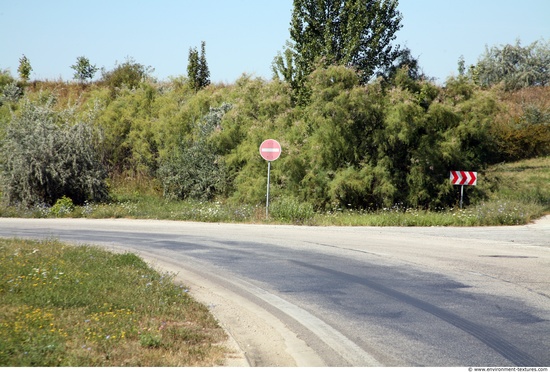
24, 68
204, 72
193, 68
197, 68
355, 33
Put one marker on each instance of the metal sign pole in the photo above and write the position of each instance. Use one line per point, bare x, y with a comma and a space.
267, 198
462, 178
269, 150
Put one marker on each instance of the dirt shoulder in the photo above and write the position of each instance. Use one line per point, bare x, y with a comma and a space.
256, 337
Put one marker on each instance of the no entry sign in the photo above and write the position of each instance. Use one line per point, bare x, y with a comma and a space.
270, 150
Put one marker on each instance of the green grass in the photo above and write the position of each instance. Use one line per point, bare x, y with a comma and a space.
490, 213
527, 181
516, 193
62, 305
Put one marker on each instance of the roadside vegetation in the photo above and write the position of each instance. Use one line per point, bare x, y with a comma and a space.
518, 193
162, 151
63, 305
366, 139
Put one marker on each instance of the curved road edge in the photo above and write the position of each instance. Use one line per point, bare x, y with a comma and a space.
256, 320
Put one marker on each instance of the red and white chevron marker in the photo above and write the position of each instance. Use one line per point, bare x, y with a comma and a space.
463, 178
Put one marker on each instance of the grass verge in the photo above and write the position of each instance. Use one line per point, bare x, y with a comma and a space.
516, 193
62, 305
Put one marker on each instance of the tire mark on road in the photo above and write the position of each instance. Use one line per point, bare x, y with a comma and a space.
486, 336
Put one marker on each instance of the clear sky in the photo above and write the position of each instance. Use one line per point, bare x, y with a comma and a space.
241, 36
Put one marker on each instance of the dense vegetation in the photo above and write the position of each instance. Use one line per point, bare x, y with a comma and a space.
358, 131
352, 145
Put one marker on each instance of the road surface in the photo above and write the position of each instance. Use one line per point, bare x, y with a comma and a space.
349, 296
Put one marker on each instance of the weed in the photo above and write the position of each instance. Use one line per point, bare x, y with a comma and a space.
149, 340
291, 210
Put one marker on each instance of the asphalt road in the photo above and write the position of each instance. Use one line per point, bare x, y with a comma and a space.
358, 296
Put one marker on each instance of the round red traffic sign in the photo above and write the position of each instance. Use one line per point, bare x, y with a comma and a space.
270, 150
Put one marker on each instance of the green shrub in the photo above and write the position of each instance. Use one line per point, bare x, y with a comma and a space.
62, 206
128, 74
46, 157
149, 340
195, 170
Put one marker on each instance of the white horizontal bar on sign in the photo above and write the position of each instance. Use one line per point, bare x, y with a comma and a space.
271, 149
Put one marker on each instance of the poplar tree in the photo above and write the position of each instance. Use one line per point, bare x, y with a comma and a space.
197, 68
353, 33
204, 72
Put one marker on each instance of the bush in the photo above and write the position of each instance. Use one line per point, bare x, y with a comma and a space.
62, 206
524, 135
195, 170
129, 74
47, 157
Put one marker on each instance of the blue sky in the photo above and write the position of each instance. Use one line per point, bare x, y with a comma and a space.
241, 36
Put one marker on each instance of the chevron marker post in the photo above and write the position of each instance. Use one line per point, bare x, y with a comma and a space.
463, 178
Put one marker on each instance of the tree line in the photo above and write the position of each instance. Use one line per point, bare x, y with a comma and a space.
360, 125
